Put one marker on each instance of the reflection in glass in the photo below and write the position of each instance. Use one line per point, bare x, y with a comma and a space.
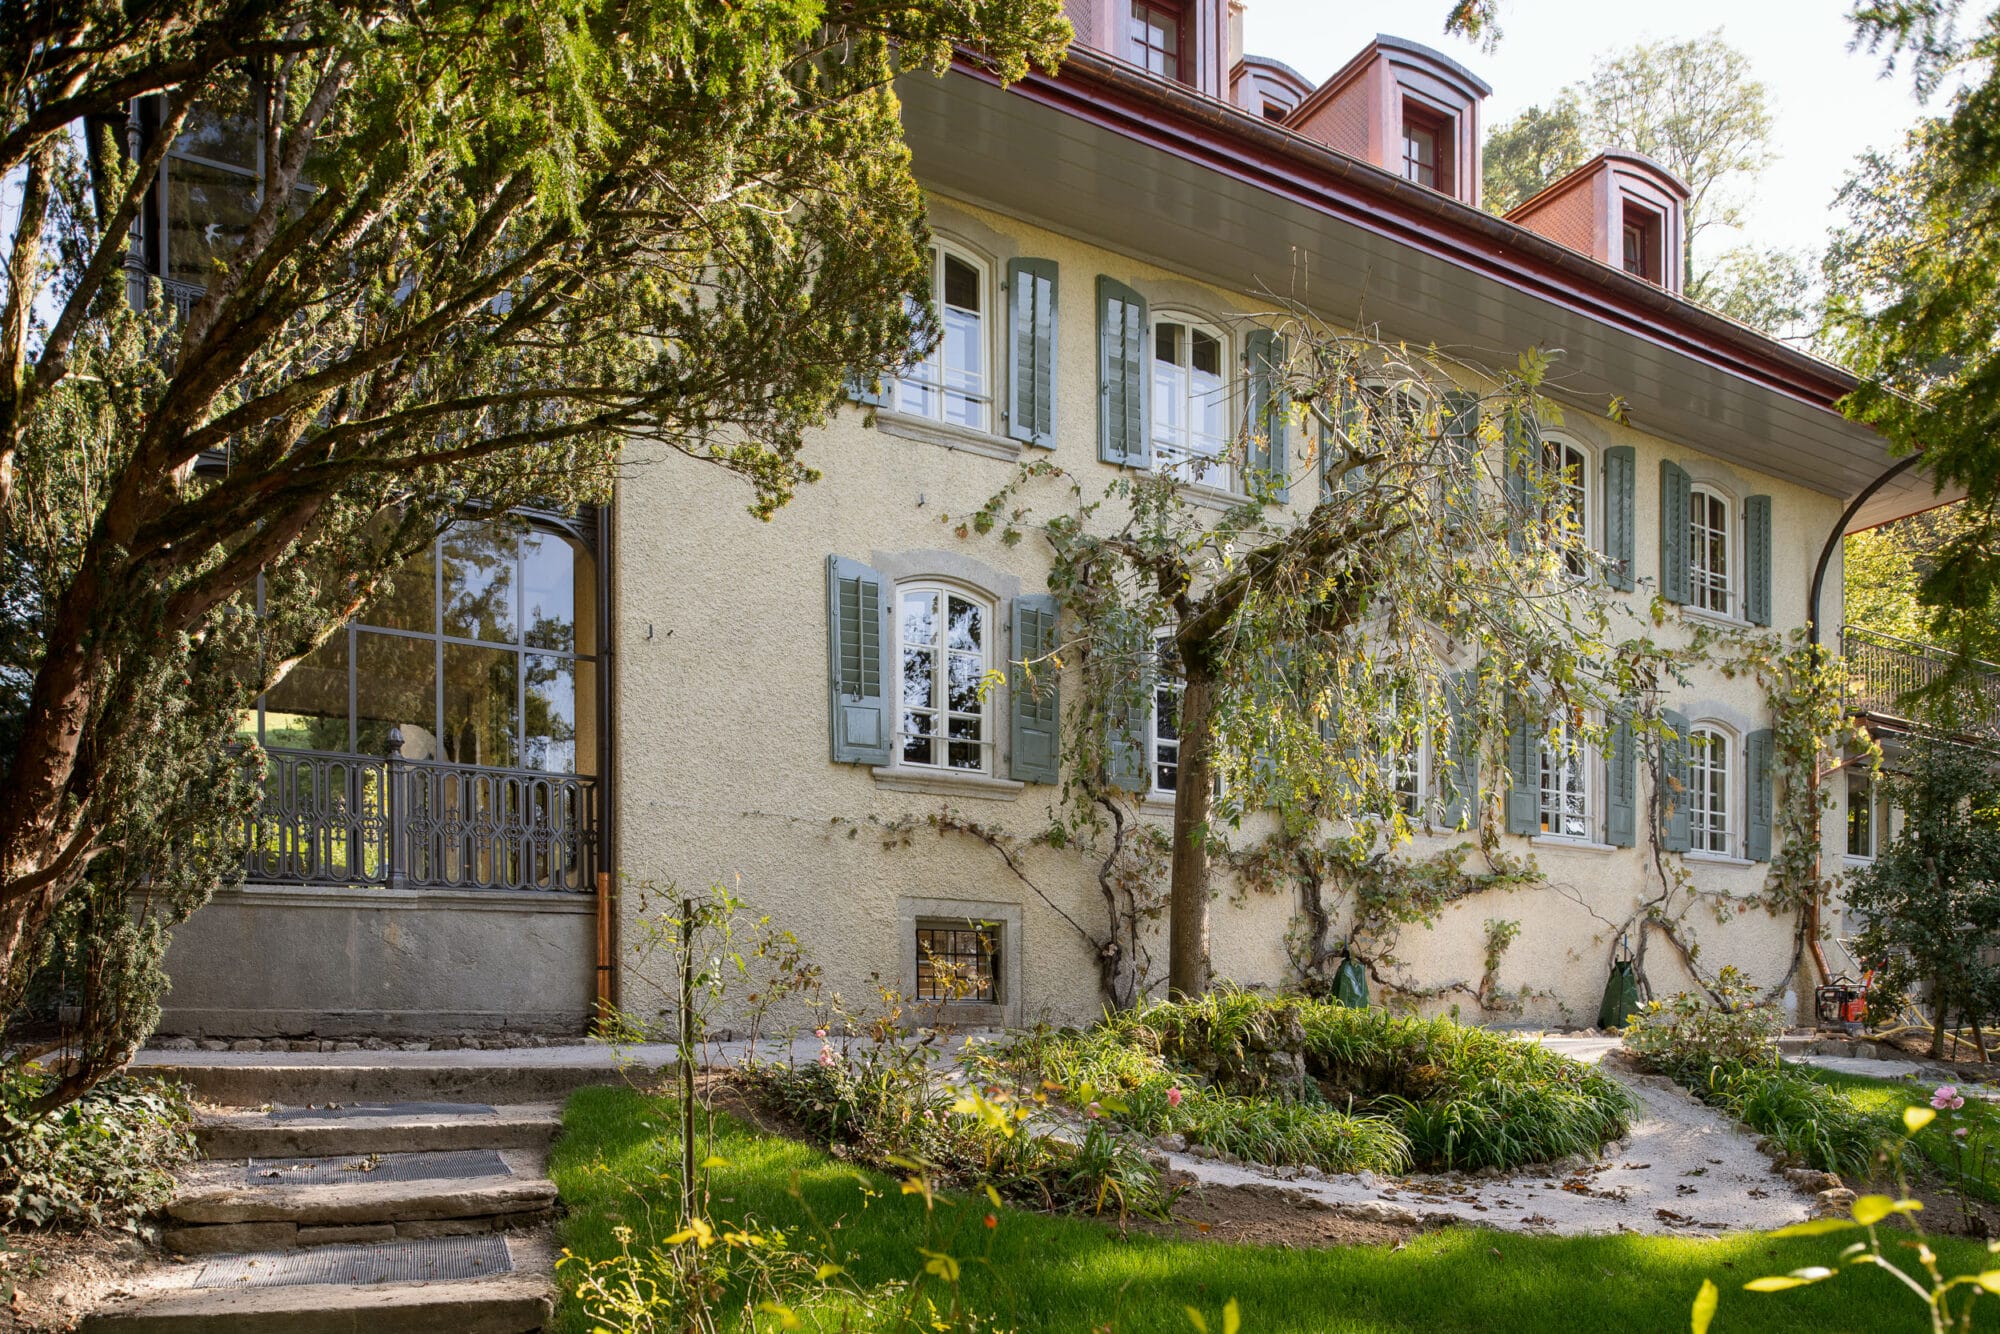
480, 705
208, 211
549, 730
943, 718
395, 685
548, 592
308, 709
208, 133
479, 579
410, 601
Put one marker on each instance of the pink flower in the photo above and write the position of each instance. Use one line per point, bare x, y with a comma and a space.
827, 1058
1093, 1111
820, 1033
1946, 1098
1960, 1133
1173, 1097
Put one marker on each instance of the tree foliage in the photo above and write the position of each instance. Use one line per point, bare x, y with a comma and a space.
1915, 274
1885, 570
497, 244
1433, 573
1932, 896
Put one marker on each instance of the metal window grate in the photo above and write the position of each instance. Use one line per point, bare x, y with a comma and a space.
958, 963
431, 1259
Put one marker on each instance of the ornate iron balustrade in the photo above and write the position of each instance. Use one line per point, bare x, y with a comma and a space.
1884, 670
333, 819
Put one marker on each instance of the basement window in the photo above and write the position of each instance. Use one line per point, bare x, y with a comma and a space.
958, 963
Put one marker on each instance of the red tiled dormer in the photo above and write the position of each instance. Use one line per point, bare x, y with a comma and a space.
1405, 108
1621, 209
1183, 40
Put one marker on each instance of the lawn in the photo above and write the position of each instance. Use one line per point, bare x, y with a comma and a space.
1032, 1272
1887, 1098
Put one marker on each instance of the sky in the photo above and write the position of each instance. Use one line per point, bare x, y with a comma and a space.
1828, 106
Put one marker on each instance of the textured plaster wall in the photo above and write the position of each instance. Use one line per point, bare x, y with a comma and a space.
721, 668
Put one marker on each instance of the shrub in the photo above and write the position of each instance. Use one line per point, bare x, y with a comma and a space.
1692, 1032
103, 1160
1290, 1081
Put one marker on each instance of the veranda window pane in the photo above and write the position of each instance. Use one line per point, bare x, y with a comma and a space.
410, 601
212, 133
481, 709
208, 211
549, 592
308, 709
395, 685
480, 576
550, 732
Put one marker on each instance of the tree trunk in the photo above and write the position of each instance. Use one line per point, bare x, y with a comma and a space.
1187, 914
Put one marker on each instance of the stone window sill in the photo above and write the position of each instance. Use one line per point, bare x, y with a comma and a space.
1718, 859
926, 431
945, 783
1854, 863
1571, 844
1729, 619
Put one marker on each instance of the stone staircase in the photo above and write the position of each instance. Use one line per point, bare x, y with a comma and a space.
389, 1217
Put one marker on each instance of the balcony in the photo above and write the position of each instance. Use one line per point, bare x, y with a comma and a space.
1885, 671
340, 819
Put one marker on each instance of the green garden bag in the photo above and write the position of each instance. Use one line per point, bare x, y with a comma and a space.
1621, 996
1350, 984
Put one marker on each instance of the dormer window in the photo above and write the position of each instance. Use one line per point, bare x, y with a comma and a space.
1426, 148
1154, 34
1641, 232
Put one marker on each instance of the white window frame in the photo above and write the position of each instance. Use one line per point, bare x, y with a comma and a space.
1179, 452
1711, 818
1704, 585
945, 590
1407, 775
1584, 490
1165, 683
1878, 815
926, 389
1555, 743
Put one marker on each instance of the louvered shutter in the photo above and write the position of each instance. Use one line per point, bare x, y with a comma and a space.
1673, 794
1461, 430
1031, 351
1760, 783
857, 615
1524, 776
1124, 417
1757, 560
1621, 774
1524, 451
1347, 410
1676, 499
1128, 714
1460, 780
1037, 703
1270, 412
1621, 475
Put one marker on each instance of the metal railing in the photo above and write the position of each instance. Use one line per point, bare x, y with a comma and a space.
336, 819
1885, 671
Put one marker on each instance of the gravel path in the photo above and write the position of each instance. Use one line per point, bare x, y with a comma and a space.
1686, 1169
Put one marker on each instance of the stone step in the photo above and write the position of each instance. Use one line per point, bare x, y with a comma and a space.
375, 1127
273, 1204
496, 1077
290, 1292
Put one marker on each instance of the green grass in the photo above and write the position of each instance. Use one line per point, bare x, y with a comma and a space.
1883, 1101
1039, 1273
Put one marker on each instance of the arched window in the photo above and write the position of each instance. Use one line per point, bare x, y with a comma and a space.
953, 384
1567, 469
944, 641
1191, 400
1711, 558
1708, 790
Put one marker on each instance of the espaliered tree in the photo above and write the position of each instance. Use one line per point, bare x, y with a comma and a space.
1404, 570
492, 245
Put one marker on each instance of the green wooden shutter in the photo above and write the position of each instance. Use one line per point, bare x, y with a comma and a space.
1757, 560
1524, 775
1760, 783
1621, 523
1270, 412
1037, 704
1126, 719
1124, 417
1460, 779
1524, 451
1621, 773
857, 615
1676, 500
1673, 794
1348, 412
1461, 429
1031, 351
